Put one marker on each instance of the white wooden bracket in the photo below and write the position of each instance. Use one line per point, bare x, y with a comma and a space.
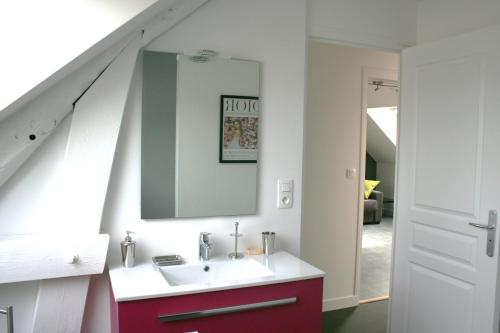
38, 257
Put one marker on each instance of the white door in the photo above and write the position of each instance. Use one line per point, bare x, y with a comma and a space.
448, 176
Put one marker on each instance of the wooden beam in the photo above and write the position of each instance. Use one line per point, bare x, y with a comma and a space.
94, 133
24, 131
38, 257
28, 121
91, 145
56, 309
87, 167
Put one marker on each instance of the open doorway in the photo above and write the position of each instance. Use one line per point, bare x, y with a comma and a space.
334, 169
381, 113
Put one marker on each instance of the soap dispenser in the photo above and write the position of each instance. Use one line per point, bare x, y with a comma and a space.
128, 250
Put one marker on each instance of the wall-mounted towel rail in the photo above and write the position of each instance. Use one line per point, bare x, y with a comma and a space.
9, 312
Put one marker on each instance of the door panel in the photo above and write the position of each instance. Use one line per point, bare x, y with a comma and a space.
449, 103
432, 292
448, 176
451, 247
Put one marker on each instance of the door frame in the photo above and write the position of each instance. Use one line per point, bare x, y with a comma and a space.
370, 73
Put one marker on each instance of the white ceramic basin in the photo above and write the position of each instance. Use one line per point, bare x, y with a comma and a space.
215, 272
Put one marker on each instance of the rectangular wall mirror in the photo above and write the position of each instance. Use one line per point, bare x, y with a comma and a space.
199, 136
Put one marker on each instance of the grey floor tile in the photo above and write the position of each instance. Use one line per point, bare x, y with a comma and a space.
376, 259
365, 318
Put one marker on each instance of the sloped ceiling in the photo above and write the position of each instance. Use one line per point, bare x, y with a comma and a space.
45, 36
57, 49
378, 144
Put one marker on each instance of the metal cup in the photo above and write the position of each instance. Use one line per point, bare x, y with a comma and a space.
268, 242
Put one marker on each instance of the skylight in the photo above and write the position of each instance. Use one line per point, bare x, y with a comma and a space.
387, 119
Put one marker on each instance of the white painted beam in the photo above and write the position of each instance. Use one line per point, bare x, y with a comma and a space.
87, 167
94, 131
58, 309
41, 109
24, 131
91, 145
38, 257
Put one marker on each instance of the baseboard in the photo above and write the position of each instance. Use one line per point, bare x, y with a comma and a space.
331, 304
374, 299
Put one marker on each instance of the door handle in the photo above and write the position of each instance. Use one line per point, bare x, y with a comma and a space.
491, 226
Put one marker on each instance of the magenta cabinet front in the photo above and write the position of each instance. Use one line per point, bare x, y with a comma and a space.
303, 315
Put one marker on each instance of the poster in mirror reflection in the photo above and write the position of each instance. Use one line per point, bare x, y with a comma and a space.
239, 129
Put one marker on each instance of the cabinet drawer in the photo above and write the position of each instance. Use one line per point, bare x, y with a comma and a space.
235, 310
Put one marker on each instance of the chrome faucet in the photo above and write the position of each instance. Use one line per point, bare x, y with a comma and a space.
204, 246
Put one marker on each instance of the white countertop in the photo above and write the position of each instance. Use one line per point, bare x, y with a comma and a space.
145, 281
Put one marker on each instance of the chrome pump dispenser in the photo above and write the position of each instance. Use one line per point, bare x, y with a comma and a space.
128, 250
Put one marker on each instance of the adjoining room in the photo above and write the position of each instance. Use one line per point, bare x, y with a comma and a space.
380, 165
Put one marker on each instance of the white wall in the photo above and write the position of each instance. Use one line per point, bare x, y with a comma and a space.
332, 144
438, 19
386, 173
385, 24
280, 48
206, 187
256, 30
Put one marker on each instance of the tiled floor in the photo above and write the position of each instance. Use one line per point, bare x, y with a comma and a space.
375, 273
365, 318
376, 259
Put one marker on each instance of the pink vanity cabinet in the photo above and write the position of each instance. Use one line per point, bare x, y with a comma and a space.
274, 308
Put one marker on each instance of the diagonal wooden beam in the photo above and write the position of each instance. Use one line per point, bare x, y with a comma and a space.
87, 167
27, 122
24, 131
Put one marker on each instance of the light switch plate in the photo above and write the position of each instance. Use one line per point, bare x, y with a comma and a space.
350, 173
285, 193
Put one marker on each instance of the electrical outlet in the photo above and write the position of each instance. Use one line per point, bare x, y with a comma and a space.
285, 193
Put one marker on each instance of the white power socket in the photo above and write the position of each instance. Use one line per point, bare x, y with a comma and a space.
285, 193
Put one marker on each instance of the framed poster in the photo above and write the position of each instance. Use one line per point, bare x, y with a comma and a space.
239, 122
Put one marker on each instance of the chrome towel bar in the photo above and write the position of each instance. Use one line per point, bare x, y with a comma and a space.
230, 309
9, 312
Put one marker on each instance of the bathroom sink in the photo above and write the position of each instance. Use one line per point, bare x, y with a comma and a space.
215, 272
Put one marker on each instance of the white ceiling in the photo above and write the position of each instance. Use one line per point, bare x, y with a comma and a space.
378, 145
44, 36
